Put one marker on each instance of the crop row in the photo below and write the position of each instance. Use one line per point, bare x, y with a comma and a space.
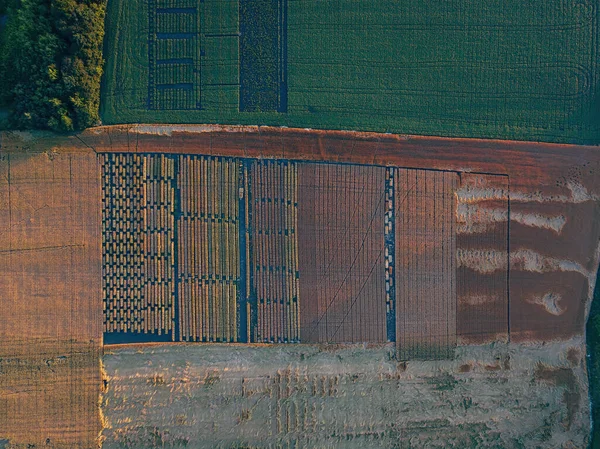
208, 248
138, 229
275, 251
389, 230
169, 21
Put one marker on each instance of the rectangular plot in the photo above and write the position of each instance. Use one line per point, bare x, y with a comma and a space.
208, 248
221, 61
482, 254
341, 212
176, 20
50, 389
263, 55
220, 17
172, 96
164, 4
390, 253
175, 49
174, 82
223, 98
425, 264
137, 248
274, 240
174, 74
193, 48
50, 271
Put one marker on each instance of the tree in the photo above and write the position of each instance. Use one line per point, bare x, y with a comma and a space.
51, 61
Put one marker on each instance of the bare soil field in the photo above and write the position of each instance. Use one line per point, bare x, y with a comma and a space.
330, 396
51, 327
425, 264
482, 228
341, 253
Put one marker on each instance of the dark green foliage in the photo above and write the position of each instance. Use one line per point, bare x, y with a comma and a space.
51, 63
593, 348
5, 5
259, 50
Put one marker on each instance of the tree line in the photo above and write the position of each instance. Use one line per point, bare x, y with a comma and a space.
51, 63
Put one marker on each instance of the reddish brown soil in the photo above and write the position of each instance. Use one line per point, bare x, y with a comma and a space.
51, 325
341, 249
425, 264
482, 294
546, 181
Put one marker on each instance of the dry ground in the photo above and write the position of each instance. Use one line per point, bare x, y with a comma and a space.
50, 330
309, 396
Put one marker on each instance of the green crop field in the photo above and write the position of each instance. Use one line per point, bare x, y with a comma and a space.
510, 69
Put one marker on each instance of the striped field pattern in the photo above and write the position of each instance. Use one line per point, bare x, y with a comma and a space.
341, 239
221, 249
138, 228
425, 264
208, 248
275, 250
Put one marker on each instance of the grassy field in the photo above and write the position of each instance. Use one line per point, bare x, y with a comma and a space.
509, 69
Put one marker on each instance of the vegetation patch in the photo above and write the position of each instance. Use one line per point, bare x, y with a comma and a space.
262, 65
565, 378
51, 63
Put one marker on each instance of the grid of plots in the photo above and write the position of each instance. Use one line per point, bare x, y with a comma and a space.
174, 54
274, 241
425, 264
216, 249
208, 248
341, 242
138, 234
193, 54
